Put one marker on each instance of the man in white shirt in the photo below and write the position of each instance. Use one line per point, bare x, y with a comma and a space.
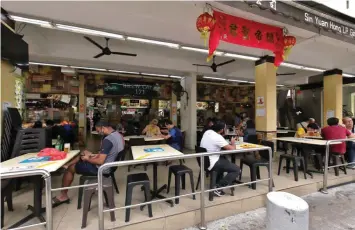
213, 141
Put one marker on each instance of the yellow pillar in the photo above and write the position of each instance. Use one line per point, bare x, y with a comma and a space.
82, 111
173, 109
265, 97
332, 94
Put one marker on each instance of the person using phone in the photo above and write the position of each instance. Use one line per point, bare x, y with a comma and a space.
213, 141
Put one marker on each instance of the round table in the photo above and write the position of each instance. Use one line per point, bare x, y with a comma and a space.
154, 138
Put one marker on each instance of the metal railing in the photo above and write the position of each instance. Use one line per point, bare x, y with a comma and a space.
326, 162
202, 192
47, 178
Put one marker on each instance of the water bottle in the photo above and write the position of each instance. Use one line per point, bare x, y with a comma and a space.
58, 144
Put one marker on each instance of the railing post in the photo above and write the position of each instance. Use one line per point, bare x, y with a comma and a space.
202, 195
325, 175
100, 200
49, 214
270, 170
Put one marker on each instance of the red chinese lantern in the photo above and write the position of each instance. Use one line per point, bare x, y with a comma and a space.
289, 42
204, 24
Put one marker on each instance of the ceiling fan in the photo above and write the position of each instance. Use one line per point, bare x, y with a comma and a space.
214, 65
285, 74
106, 50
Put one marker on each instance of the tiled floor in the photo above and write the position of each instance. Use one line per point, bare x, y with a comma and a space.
245, 199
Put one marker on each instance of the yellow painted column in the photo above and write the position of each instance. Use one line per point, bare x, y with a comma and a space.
173, 109
265, 97
82, 111
332, 94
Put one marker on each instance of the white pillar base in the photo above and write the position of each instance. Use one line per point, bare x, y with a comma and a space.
286, 211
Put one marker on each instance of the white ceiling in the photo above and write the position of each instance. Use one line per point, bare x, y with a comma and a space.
171, 21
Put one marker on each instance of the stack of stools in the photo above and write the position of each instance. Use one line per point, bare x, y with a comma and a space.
180, 172
133, 180
90, 191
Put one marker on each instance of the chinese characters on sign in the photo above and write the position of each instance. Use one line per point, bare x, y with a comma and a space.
248, 33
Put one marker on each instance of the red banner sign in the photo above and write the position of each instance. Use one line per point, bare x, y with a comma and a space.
245, 32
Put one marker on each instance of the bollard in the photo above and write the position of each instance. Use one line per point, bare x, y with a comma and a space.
286, 211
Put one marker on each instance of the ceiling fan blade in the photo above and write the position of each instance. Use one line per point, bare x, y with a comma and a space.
285, 74
99, 55
126, 54
225, 63
201, 65
93, 42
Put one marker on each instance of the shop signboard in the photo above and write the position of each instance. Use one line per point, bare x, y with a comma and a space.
329, 25
306, 17
131, 89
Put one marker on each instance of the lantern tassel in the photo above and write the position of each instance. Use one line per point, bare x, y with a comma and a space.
204, 36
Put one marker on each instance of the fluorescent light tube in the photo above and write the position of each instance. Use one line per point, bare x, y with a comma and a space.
157, 75
154, 42
89, 31
47, 64
31, 21
88, 68
173, 76
121, 71
215, 78
237, 80
280, 85
251, 82
313, 69
290, 65
241, 56
348, 75
218, 53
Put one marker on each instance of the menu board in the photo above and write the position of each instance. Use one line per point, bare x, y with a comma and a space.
134, 103
206, 92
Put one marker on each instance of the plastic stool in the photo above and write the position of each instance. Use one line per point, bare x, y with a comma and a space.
180, 174
133, 180
90, 191
336, 157
296, 160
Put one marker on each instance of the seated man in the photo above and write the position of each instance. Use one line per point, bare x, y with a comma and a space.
335, 131
213, 141
174, 137
88, 163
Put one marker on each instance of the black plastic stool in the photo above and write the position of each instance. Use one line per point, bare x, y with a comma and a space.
180, 172
335, 158
90, 191
296, 160
141, 179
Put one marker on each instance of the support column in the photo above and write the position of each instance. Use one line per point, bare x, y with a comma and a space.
265, 98
173, 109
188, 110
332, 94
82, 111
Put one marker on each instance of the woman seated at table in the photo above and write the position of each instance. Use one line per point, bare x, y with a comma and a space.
152, 129
312, 128
249, 130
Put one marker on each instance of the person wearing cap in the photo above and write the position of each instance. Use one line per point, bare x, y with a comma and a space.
213, 141
152, 129
88, 162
